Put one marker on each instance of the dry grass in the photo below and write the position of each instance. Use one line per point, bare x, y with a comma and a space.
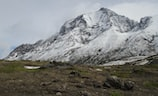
17, 81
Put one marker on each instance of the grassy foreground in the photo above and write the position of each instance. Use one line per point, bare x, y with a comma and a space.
74, 80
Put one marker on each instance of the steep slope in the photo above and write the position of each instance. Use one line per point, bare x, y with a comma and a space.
95, 38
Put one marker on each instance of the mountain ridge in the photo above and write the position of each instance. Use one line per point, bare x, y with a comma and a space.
95, 38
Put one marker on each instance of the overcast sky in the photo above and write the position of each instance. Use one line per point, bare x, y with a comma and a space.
26, 21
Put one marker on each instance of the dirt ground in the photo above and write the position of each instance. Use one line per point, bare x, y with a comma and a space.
74, 80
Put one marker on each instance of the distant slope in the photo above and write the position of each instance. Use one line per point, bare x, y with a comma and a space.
95, 38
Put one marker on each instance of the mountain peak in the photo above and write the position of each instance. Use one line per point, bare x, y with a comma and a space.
95, 38
101, 20
107, 11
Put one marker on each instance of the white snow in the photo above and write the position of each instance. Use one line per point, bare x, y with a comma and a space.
32, 67
128, 60
115, 35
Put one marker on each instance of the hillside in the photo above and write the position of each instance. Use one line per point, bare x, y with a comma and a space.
64, 79
95, 38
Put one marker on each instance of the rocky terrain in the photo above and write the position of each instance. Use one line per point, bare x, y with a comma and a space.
79, 59
64, 79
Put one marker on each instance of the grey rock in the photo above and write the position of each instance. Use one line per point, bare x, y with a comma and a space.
85, 93
115, 82
128, 85
58, 94
75, 74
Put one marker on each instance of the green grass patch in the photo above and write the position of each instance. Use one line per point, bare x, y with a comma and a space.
121, 74
116, 93
150, 84
9, 68
81, 70
16, 66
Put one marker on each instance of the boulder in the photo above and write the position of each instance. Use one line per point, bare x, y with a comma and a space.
128, 85
117, 83
75, 74
58, 94
85, 93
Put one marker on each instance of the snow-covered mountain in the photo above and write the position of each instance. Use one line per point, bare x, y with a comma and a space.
95, 38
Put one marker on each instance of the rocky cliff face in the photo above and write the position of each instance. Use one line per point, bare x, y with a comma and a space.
95, 38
